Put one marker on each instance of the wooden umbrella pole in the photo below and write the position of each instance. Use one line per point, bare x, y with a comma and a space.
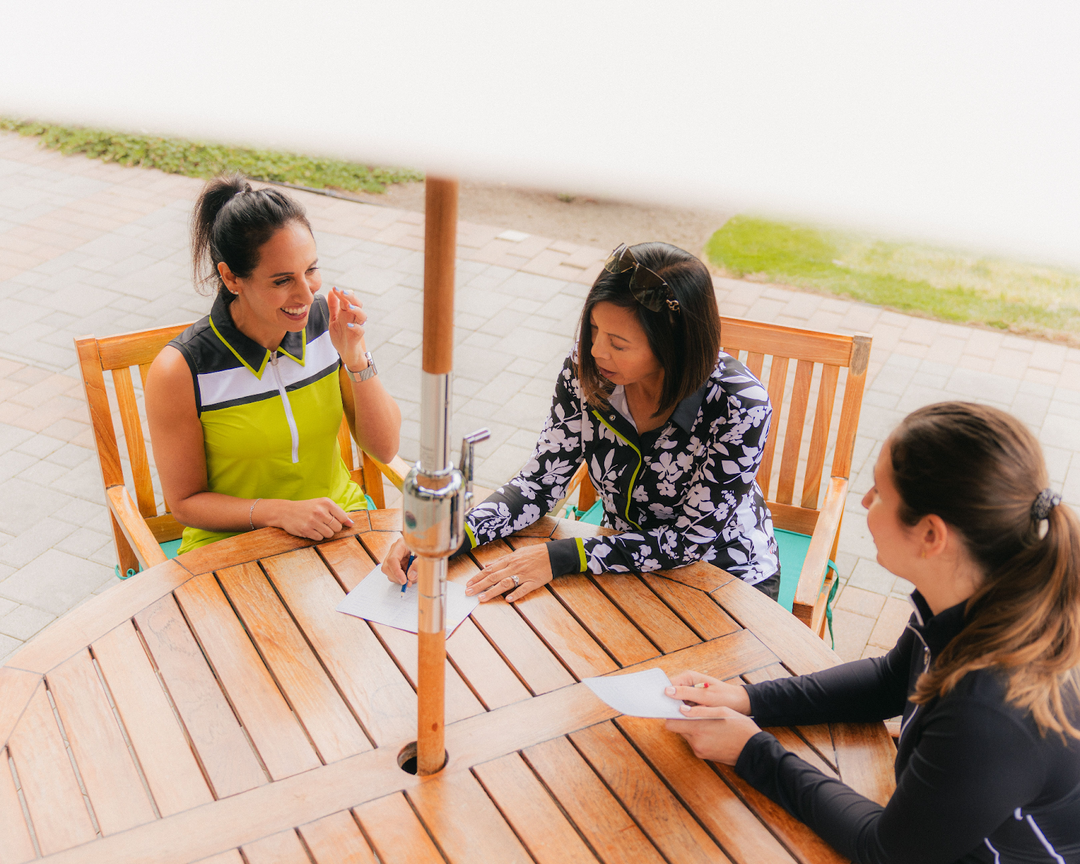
435, 470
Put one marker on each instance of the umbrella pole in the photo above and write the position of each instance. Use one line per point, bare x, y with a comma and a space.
436, 507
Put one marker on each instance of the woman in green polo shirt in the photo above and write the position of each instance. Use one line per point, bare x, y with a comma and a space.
245, 405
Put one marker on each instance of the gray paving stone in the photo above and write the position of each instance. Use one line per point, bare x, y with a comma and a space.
871, 576
8, 646
31, 543
24, 621
55, 581
14, 438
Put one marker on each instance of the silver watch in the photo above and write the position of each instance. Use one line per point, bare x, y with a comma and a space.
364, 374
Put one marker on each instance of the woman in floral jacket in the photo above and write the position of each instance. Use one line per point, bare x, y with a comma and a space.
671, 428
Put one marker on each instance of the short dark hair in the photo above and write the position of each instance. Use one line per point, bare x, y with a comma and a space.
231, 222
685, 343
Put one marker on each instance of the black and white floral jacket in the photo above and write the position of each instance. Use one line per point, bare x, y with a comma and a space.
683, 493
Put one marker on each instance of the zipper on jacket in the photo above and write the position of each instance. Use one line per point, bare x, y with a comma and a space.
633, 477
288, 409
925, 668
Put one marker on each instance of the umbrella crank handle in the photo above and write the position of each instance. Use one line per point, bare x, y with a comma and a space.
468, 460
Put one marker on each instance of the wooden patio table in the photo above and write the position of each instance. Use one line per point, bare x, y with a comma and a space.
218, 708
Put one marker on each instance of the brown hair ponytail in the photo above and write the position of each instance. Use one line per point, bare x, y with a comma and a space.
981, 471
231, 221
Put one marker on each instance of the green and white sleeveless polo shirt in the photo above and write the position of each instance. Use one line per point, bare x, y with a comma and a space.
270, 419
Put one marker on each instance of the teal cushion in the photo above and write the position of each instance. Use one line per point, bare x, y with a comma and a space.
793, 548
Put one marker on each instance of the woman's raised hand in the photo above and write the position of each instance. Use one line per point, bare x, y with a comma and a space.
520, 572
347, 319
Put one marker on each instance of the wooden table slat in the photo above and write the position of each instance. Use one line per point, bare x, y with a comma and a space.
336, 839
227, 759
396, 834
516, 641
283, 848
172, 772
639, 604
865, 759
108, 771
660, 814
561, 631
535, 817
627, 644
16, 845
230, 857
820, 736
696, 609
275, 731
804, 845
776, 627
601, 819
460, 701
467, 825
372, 684
49, 785
17, 686
493, 681
297, 671
744, 837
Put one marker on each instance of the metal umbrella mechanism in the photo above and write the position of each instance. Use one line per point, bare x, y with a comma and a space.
436, 494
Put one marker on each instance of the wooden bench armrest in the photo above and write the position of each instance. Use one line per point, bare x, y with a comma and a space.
394, 471
809, 605
135, 529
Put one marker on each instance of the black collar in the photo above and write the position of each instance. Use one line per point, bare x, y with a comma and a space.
938, 630
686, 412
247, 350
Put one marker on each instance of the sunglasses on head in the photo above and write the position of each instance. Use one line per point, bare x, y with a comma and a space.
647, 288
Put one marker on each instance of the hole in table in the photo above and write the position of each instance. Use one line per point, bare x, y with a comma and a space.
406, 759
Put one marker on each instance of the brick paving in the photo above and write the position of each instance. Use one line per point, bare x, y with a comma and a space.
87, 247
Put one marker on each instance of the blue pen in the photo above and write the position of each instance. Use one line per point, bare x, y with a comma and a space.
408, 564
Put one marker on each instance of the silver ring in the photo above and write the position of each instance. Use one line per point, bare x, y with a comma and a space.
517, 584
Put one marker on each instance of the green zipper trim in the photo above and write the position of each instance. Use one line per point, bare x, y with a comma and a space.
583, 564
633, 477
236, 354
472, 537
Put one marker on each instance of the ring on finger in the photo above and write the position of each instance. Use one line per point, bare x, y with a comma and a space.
517, 582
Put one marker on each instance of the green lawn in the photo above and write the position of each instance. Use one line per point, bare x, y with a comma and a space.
951, 286
196, 159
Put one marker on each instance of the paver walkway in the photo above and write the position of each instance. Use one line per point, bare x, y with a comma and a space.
87, 247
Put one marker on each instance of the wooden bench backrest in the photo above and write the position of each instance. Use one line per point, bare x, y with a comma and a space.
775, 354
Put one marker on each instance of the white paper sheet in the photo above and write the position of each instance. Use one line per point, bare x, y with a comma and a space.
378, 599
639, 694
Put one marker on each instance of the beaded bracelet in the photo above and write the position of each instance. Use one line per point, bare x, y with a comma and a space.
251, 513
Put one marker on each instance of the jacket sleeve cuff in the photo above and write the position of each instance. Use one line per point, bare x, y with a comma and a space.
566, 556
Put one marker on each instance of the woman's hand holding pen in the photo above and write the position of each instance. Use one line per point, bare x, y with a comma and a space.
720, 726
399, 565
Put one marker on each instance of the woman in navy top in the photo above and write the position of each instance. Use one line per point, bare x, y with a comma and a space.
985, 675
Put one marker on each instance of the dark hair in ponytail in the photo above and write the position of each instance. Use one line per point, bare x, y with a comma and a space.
981, 470
231, 222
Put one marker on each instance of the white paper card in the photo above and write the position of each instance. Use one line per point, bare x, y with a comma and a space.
639, 694
378, 599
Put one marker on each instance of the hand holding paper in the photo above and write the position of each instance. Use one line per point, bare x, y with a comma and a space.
639, 694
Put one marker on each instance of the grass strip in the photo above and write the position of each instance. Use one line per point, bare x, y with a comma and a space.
950, 286
198, 159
